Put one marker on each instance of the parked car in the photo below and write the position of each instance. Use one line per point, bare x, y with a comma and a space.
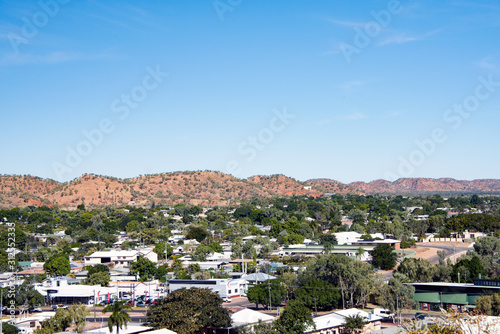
13, 311
226, 299
56, 306
34, 309
106, 302
421, 315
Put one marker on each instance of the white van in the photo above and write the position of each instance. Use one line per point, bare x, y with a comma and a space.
383, 313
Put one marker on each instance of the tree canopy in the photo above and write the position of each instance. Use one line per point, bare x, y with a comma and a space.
188, 311
145, 268
260, 293
296, 318
384, 257
57, 264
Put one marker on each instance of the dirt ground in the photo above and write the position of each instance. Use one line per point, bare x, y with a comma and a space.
426, 253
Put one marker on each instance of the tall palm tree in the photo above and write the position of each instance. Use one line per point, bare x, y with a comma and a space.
77, 315
354, 324
119, 317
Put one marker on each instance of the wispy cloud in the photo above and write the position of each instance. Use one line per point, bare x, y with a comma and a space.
355, 115
350, 24
406, 38
350, 85
324, 121
13, 59
392, 114
486, 63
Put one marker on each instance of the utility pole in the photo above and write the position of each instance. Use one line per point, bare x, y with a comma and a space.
315, 307
94, 305
269, 287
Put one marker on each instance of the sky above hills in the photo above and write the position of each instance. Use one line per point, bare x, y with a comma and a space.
334, 89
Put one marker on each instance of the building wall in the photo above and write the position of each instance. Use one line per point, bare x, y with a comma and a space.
225, 288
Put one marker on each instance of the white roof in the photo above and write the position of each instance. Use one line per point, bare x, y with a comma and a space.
354, 311
116, 252
70, 290
162, 331
247, 316
337, 319
327, 321
129, 330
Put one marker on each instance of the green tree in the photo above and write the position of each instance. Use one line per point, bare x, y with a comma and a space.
188, 311
198, 233
216, 247
384, 257
416, 270
354, 278
489, 305
328, 241
9, 329
64, 318
296, 318
201, 252
395, 296
19, 238
144, 267
97, 268
57, 264
101, 278
318, 294
160, 250
354, 324
119, 316
260, 293
78, 315
468, 269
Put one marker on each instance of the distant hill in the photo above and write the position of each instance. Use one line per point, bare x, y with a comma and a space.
429, 186
198, 188
208, 188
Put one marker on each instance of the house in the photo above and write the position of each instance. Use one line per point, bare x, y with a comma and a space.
257, 278
8, 279
31, 272
120, 257
247, 317
204, 265
223, 287
61, 291
332, 323
28, 323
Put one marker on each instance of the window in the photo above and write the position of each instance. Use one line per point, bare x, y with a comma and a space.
235, 290
229, 292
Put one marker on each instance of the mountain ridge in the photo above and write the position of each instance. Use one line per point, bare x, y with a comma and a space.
209, 188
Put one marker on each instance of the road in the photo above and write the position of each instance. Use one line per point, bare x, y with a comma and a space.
452, 250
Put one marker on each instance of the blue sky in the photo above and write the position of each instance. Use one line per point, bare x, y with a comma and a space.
335, 89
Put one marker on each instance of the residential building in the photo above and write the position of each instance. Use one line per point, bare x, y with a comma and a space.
119, 258
332, 323
223, 287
